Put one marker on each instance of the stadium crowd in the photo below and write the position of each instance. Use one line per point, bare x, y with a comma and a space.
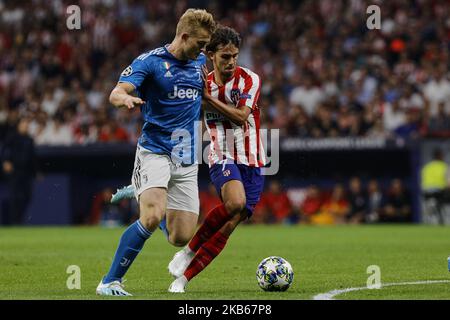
324, 75
354, 202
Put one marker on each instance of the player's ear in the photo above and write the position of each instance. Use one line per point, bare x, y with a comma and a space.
210, 55
184, 36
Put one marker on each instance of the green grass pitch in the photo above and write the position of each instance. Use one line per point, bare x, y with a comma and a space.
34, 261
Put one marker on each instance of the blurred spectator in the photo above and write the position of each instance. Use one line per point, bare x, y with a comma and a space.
439, 124
393, 116
112, 132
334, 210
55, 132
276, 204
19, 166
436, 185
311, 204
306, 95
298, 124
358, 201
332, 74
437, 89
397, 207
105, 213
323, 123
410, 129
374, 201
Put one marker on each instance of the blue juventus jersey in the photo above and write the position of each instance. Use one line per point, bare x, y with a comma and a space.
172, 90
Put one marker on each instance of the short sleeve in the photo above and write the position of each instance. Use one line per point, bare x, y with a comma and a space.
136, 72
250, 91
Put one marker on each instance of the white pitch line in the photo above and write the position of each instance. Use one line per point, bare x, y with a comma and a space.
331, 294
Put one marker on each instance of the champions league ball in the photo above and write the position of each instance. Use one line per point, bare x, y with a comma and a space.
274, 274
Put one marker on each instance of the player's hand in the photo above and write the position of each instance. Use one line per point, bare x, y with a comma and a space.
205, 82
205, 73
130, 102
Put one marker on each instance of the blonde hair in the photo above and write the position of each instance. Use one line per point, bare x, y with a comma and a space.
193, 19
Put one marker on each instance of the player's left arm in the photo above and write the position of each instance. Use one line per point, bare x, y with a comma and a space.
238, 114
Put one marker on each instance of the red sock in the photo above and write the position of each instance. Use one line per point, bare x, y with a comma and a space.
215, 219
208, 251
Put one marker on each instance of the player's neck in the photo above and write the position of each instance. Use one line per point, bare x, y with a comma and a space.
176, 50
220, 78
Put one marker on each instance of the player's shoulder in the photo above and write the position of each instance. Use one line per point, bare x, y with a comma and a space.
201, 58
152, 54
246, 73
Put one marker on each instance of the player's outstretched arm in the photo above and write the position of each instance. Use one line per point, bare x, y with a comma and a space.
121, 96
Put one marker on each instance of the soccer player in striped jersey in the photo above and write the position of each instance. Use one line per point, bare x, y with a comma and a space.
236, 156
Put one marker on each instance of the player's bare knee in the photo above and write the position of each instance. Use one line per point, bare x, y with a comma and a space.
150, 222
151, 215
178, 240
235, 206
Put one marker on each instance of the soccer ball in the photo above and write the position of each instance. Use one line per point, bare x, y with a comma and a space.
274, 274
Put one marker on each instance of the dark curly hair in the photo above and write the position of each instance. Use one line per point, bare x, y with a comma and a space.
223, 36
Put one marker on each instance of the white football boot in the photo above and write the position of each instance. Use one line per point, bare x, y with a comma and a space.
180, 262
115, 288
126, 192
178, 285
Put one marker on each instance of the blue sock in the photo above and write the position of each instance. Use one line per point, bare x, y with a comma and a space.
163, 227
130, 244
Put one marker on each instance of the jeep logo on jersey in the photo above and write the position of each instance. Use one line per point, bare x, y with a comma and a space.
128, 70
183, 93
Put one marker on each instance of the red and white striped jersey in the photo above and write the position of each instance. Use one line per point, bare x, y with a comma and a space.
241, 143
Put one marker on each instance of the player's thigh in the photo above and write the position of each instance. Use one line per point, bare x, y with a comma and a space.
150, 171
151, 175
253, 181
228, 182
182, 204
233, 196
152, 206
182, 191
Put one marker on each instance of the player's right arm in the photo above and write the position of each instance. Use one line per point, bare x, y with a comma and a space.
121, 96
130, 82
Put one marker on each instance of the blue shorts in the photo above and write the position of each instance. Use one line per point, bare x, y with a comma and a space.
251, 178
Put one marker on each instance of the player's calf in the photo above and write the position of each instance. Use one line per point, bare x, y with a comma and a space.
229, 226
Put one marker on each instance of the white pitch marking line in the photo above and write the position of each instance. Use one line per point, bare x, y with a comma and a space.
331, 294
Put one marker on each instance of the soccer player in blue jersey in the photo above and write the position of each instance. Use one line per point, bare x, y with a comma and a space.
169, 86
232, 111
